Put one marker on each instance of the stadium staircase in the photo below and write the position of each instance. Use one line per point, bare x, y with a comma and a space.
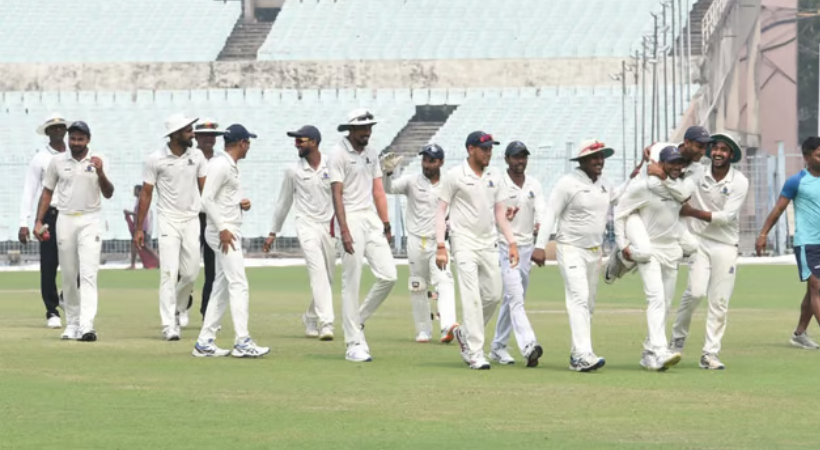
419, 130
696, 19
245, 40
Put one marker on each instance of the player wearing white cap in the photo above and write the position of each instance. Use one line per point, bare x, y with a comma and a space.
178, 172
660, 216
422, 198
526, 198
55, 128
223, 203
306, 188
719, 193
578, 207
356, 185
472, 193
78, 178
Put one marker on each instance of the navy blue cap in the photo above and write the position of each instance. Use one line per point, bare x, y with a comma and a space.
432, 150
670, 154
236, 133
480, 139
307, 131
699, 134
80, 126
515, 148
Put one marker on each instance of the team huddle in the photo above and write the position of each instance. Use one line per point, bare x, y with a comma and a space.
681, 204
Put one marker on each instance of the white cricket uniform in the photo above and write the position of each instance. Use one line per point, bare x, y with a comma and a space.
660, 217
221, 197
473, 242
580, 206
529, 198
713, 268
307, 190
356, 171
178, 206
33, 187
422, 201
76, 186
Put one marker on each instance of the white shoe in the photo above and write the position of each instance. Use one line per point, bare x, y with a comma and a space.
326, 332
424, 336
311, 327
668, 359
502, 356
209, 349
479, 363
533, 352
170, 334
71, 333
248, 349
448, 334
54, 322
357, 353
462, 345
182, 319
803, 341
586, 363
710, 361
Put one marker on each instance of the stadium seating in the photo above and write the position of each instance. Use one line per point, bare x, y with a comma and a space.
127, 126
456, 29
114, 30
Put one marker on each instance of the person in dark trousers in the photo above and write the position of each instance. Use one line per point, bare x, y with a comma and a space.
55, 128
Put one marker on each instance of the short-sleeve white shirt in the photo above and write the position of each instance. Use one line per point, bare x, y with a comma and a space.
472, 200
175, 178
356, 171
76, 182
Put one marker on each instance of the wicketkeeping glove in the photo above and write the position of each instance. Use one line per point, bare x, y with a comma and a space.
390, 161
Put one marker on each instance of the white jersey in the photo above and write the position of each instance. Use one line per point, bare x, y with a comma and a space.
33, 187
660, 215
529, 199
310, 190
580, 207
723, 199
356, 172
76, 182
472, 200
175, 178
222, 194
422, 200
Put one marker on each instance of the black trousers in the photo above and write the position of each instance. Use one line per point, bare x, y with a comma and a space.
49, 262
208, 257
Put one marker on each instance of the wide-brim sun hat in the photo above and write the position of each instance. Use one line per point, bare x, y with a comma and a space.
52, 120
359, 117
208, 126
591, 147
737, 152
177, 122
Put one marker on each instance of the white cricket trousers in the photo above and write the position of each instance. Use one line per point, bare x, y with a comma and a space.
712, 272
369, 242
230, 288
580, 268
479, 280
78, 247
659, 276
511, 315
421, 256
179, 252
319, 249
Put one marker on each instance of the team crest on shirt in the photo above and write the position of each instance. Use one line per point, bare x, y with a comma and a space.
325, 176
531, 195
725, 190
603, 189
190, 162
367, 159
90, 168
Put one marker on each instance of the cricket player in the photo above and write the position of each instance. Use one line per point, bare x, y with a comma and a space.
659, 268
803, 189
205, 133
526, 198
356, 185
223, 203
422, 198
78, 178
55, 128
714, 209
178, 172
306, 188
579, 204
472, 193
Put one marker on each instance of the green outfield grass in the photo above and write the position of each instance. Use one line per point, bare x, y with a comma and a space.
131, 390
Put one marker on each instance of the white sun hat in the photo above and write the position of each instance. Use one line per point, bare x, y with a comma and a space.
591, 147
51, 120
177, 122
359, 117
208, 126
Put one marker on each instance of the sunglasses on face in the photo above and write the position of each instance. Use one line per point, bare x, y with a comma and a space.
302, 140
365, 116
486, 138
207, 126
